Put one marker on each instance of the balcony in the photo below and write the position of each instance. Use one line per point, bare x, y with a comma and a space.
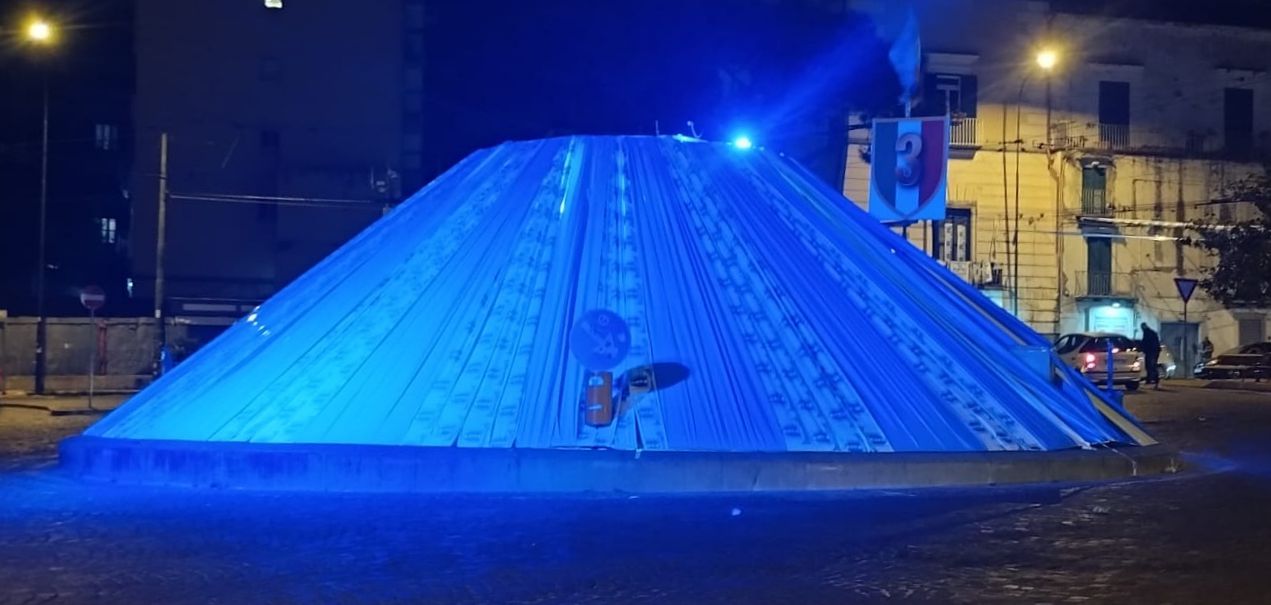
976, 273
1094, 202
1114, 137
1144, 140
963, 132
1102, 284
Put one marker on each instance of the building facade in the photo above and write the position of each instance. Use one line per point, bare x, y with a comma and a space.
1071, 189
86, 75
290, 126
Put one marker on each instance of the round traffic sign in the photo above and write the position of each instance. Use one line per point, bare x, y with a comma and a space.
92, 298
600, 340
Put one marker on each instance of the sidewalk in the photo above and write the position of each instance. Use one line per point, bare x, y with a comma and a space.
1239, 385
59, 405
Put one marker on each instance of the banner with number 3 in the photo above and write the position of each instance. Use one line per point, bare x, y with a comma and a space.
909, 169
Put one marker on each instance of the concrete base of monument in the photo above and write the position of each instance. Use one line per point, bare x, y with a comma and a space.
361, 468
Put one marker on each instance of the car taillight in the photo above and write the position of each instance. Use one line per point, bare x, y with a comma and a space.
1089, 360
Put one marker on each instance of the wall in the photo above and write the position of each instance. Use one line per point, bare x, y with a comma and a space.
127, 350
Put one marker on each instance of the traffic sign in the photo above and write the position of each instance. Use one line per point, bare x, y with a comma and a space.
600, 340
1186, 286
92, 298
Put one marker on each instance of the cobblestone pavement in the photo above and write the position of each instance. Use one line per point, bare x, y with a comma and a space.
1200, 537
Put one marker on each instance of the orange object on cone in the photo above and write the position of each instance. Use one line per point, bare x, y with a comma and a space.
599, 405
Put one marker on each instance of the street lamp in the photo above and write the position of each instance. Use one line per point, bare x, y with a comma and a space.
1047, 59
40, 33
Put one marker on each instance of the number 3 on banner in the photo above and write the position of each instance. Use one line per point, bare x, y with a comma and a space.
908, 169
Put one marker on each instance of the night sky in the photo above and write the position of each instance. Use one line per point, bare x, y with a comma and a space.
777, 71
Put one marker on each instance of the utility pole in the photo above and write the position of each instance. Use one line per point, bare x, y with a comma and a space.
161, 330
41, 327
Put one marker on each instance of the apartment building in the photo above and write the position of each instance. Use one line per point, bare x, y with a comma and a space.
311, 100
1072, 178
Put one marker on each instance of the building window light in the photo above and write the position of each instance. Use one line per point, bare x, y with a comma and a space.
106, 136
273, 3
107, 230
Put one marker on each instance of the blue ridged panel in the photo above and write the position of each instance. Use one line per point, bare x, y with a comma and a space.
802, 324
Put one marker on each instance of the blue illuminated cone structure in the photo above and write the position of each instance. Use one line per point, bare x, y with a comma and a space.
766, 313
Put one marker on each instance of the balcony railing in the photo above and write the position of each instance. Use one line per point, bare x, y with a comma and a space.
1126, 138
1094, 202
963, 132
1114, 136
976, 273
1103, 284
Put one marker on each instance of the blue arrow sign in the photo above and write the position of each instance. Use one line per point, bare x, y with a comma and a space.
1186, 286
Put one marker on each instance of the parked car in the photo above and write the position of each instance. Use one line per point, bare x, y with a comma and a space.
1246, 361
1088, 353
1166, 367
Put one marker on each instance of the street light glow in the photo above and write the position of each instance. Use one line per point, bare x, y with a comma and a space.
39, 30
1047, 59
742, 142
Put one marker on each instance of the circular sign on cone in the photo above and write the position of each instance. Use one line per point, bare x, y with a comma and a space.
600, 340
92, 298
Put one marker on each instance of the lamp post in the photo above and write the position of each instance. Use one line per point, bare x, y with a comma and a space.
39, 32
1046, 61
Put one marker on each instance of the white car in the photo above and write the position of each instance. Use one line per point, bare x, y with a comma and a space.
1088, 353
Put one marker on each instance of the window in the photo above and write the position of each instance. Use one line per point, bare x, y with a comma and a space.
1099, 344
273, 3
1094, 191
952, 94
1114, 114
107, 226
1068, 344
1237, 116
953, 236
106, 137
1099, 266
1251, 330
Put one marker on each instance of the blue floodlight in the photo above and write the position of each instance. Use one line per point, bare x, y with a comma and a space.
742, 142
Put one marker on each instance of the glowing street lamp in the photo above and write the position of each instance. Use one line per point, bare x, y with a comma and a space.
1047, 59
743, 142
39, 31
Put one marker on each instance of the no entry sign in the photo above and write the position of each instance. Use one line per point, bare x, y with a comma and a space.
92, 298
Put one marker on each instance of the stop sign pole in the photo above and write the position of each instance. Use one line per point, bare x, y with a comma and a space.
92, 298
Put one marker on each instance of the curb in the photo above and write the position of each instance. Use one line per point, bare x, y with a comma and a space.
376, 468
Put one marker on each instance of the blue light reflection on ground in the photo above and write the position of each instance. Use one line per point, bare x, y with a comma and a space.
250, 546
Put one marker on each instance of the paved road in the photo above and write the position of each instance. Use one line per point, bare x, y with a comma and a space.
1196, 538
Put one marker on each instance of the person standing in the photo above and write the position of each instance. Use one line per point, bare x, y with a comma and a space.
1151, 354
